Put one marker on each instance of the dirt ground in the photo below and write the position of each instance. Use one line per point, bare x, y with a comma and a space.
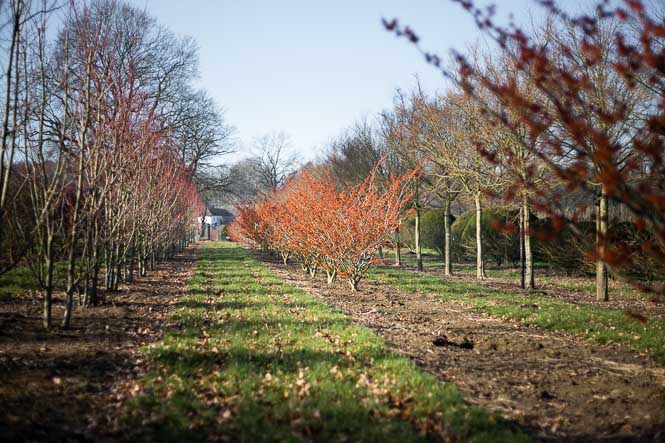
557, 387
57, 385
66, 385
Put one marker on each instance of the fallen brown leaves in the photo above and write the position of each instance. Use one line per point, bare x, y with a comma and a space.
71, 384
546, 380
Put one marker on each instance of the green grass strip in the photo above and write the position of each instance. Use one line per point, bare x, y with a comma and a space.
16, 282
20, 281
258, 360
602, 325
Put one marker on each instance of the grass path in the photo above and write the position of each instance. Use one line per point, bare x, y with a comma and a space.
254, 359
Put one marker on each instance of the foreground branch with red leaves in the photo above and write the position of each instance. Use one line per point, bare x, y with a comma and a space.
323, 226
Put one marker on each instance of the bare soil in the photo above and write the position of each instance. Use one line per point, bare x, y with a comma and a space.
557, 387
61, 385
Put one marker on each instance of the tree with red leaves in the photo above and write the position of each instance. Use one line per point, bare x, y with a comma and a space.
92, 145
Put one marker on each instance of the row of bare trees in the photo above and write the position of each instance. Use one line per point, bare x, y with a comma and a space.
563, 122
105, 145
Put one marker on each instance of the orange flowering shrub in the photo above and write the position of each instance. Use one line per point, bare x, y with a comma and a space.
247, 227
323, 226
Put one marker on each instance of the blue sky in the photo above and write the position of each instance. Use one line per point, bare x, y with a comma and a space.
310, 68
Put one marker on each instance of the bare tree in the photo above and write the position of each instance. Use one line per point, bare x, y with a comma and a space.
273, 163
460, 167
436, 145
203, 137
402, 128
14, 11
354, 154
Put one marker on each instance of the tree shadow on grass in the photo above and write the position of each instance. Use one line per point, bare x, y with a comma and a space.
231, 305
253, 371
333, 408
55, 382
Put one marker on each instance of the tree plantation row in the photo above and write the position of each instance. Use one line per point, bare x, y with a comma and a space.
480, 259
568, 120
559, 132
548, 143
105, 145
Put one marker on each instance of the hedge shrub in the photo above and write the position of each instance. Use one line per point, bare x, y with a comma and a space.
432, 230
564, 250
499, 246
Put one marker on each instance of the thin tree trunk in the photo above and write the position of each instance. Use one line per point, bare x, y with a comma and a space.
480, 263
602, 293
522, 252
398, 251
331, 276
118, 268
130, 278
447, 267
528, 252
71, 262
69, 296
109, 267
141, 261
95, 267
94, 289
116, 276
125, 269
5, 171
89, 264
419, 250
48, 297
84, 300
